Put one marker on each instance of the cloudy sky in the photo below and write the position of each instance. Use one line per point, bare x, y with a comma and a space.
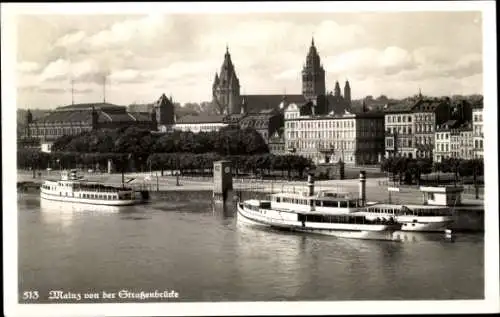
144, 56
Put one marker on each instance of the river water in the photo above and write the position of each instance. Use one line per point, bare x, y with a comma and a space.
183, 244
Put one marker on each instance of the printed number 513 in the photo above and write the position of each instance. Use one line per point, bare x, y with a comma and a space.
31, 295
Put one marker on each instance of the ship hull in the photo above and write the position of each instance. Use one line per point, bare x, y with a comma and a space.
77, 200
369, 232
424, 224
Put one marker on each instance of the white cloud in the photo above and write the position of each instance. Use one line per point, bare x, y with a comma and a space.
127, 75
61, 69
28, 67
71, 39
56, 70
288, 74
433, 55
395, 57
178, 55
134, 32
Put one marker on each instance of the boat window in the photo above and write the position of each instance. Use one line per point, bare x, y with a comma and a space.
329, 203
343, 204
278, 199
352, 203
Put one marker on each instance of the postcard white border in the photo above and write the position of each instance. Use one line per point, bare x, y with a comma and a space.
12, 308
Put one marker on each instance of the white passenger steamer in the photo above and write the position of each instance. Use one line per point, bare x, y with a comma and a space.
325, 213
73, 189
341, 215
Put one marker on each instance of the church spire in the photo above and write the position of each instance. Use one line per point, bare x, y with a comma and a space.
226, 87
313, 75
337, 92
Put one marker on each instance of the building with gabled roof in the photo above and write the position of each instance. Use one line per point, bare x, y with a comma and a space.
200, 123
453, 140
410, 126
77, 118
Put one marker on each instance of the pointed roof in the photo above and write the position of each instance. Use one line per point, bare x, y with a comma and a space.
312, 49
313, 59
162, 99
227, 73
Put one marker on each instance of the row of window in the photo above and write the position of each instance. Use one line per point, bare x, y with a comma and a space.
316, 157
318, 203
416, 212
351, 219
442, 136
428, 128
389, 142
57, 131
398, 154
345, 145
423, 140
478, 118
322, 124
100, 196
317, 135
398, 118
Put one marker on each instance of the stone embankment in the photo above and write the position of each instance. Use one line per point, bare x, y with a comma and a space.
376, 188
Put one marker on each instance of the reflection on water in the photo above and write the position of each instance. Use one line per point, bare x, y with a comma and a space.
183, 241
51, 206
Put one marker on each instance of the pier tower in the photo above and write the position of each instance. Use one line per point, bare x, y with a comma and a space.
223, 180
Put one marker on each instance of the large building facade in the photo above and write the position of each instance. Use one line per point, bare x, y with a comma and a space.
77, 118
478, 132
410, 126
354, 138
453, 140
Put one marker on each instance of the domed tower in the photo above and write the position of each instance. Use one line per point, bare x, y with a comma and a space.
347, 93
226, 87
313, 75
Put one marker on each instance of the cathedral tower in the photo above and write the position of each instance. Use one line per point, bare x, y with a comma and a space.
226, 87
337, 92
347, 93
313, 75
